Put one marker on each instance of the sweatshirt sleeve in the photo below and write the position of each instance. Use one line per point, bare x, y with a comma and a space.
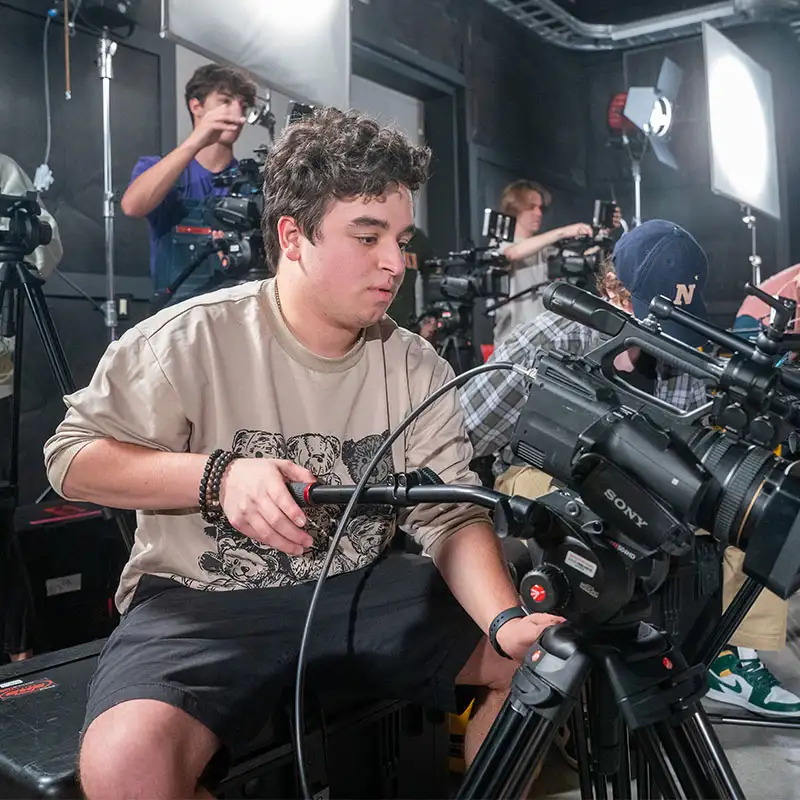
438, 440
129, 399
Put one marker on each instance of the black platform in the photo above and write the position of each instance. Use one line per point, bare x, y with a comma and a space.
386, 749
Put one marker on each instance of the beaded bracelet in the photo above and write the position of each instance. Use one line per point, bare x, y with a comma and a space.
216, 466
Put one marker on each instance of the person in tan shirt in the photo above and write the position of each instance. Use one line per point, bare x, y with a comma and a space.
298, 378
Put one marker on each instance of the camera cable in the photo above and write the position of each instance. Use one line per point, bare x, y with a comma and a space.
299, 717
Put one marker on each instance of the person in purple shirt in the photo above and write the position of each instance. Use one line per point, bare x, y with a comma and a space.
175, 192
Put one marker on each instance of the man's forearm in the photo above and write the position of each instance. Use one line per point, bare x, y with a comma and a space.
472, 564
120, 475
533, 244
152, 186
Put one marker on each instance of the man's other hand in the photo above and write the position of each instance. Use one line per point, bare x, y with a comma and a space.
576, 231
517, 635
257, 502
214, 123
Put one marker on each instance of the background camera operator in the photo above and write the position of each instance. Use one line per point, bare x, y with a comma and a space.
656, 258
172, 192
526, 200
14, 181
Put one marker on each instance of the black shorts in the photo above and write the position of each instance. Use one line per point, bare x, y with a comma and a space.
390, 631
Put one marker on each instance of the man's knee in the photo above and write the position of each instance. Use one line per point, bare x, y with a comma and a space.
144, 748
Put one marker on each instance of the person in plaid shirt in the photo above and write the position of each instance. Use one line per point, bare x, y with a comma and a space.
656, 258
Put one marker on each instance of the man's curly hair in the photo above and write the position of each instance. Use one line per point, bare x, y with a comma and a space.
333, 155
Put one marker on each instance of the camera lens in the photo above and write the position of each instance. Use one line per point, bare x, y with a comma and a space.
747, 477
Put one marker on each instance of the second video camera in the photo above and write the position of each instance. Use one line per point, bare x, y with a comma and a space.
476, 272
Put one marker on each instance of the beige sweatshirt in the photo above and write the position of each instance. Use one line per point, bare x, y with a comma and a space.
223, 370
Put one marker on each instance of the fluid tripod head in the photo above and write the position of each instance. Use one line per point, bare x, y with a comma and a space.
596, 582
656, 473
24, 230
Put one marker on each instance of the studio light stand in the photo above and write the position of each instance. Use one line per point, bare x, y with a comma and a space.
103, 17
749, 219
636, 172
106, 48
651, 110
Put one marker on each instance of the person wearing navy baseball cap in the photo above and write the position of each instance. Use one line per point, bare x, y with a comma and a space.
661, 258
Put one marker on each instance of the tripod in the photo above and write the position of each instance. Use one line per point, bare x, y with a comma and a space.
20, 284
458, 349
621, 683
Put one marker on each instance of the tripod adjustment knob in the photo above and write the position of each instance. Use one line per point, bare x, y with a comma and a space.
544, 589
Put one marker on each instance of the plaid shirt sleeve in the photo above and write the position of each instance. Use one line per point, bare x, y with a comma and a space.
492, 401
680, 389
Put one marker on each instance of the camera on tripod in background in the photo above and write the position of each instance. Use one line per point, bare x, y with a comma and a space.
454, 283
476, 272
21, 228
578, 261
648, 475
239, 216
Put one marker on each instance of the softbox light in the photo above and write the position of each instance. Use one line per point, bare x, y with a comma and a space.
744, 162
300, 48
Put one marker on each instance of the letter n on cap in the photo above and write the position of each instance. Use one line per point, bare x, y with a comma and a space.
685, 294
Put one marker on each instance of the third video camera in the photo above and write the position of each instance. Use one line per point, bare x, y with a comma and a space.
578, 261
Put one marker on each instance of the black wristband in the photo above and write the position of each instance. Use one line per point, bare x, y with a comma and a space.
515, 612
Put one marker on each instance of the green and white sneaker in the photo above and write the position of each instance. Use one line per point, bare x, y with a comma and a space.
739, 677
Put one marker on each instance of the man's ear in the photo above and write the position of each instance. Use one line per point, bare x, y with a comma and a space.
195, 108
289, 236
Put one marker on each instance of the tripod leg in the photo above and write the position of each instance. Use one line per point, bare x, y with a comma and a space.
578, 728
644, 778
688, 761
32, 285
621, 781
731, 619
657, 765
689, 773
702, 739
544, 691
516, 732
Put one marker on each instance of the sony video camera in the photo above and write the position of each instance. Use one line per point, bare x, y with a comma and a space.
646, 474
578, 261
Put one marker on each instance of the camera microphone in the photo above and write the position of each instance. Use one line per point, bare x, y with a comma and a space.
578, 305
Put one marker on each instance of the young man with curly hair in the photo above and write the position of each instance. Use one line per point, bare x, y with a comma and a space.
174, 192
296, 378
